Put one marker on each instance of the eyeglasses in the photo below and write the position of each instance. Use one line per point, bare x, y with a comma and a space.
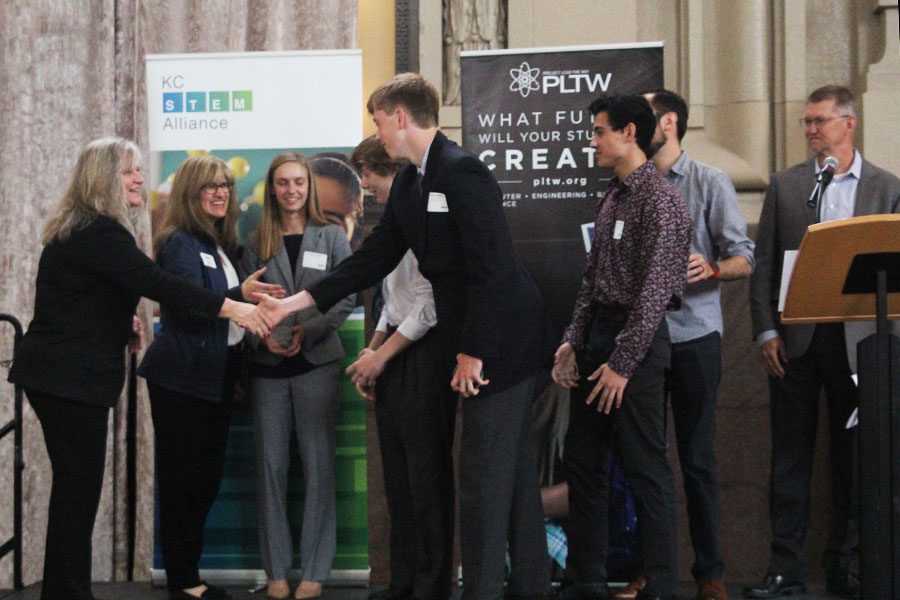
215, 187
819, 121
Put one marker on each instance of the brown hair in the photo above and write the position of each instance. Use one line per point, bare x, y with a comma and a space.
843, 98
412, 92
268, 235
370, 154
184, 211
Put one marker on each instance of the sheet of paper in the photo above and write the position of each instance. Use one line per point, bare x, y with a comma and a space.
790, 257
853, 421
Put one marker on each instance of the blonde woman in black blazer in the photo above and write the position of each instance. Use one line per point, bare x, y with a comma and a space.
71, 362
295, 376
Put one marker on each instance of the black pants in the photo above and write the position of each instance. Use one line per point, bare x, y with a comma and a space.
795, 415
637, 432
416, 412
75, 435
500, 504
693, 384
190, 436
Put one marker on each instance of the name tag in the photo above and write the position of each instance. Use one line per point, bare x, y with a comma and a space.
208, 260
617, 232
315, 260
437, 202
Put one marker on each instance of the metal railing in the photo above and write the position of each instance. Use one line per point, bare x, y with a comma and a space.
14, 544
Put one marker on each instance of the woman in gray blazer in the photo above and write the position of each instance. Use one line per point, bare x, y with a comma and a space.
295, 376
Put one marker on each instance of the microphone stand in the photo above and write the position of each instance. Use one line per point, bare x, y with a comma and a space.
815, 199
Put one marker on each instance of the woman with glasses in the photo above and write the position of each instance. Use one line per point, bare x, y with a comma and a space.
295, 376
192, 367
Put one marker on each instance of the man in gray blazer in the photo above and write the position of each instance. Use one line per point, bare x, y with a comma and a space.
801, 359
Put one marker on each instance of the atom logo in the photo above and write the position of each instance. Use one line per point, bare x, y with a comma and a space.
524, 79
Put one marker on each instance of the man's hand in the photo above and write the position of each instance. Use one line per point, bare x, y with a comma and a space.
565, 367
137, 335
775, 356
468, 376
291, 349
366, 391
698, 268
368, 366
610, 386
252, 285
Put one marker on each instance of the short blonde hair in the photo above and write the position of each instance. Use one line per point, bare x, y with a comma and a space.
184, 211
412, 92
97, 188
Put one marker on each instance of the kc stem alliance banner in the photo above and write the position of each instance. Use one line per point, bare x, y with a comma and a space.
525, 114
246, 108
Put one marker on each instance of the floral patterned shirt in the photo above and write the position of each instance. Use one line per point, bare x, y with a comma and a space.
637, 263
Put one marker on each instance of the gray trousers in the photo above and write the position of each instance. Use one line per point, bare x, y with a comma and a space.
499, 499
310, 402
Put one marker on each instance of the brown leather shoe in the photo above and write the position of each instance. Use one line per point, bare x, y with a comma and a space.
712, 589
629, 592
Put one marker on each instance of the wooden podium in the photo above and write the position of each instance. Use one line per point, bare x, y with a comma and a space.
849, 270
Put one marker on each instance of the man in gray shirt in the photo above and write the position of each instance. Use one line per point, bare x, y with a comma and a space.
720, 250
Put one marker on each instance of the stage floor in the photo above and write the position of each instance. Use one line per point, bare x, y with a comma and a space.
143, 591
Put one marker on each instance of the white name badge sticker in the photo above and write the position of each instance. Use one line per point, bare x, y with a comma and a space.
315, 260
208, 260
617, 232
437, 202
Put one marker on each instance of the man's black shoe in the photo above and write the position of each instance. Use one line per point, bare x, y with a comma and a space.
845, 585
389, 593
584, 591
643, 595
774, 586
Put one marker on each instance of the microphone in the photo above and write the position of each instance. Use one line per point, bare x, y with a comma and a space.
827, 173
823, 178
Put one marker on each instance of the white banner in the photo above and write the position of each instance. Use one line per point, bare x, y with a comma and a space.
247, 100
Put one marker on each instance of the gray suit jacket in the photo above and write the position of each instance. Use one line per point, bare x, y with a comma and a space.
321, 343
782, 224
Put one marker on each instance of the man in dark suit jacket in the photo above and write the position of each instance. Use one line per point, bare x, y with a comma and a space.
801, 359
446, 206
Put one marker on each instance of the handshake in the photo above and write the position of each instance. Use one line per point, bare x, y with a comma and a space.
271, 305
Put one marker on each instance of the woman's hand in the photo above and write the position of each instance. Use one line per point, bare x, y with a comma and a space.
248, 316
290, 350
252, 286
274, 310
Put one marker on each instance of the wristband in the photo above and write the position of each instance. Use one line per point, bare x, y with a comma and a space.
715, 270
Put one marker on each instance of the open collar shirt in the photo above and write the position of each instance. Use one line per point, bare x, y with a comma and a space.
637, 263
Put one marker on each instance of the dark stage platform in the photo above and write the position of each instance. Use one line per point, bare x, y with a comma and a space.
143, 591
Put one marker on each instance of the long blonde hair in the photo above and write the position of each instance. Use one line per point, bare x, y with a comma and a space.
268, 235
184, 211
97, 188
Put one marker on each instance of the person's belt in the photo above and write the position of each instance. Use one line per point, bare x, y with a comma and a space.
610, 312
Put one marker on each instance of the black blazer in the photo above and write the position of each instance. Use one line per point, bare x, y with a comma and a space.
487, 304
87, 289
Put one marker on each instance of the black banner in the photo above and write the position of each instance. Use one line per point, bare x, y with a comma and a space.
525, 114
